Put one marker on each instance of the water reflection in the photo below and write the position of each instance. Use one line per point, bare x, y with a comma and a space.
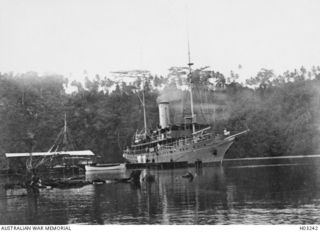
216, 195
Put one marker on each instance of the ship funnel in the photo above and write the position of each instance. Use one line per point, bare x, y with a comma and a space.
164, 114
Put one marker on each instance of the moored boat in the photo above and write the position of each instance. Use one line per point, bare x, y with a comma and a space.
62, 154
105, 167
188, 142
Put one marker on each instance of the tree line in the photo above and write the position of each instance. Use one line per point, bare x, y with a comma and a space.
281, 111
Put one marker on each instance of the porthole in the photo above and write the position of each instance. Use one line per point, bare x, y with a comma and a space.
214, 152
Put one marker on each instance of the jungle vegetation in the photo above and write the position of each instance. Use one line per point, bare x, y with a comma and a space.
282, 111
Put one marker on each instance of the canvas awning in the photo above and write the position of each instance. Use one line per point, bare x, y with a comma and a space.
58, 153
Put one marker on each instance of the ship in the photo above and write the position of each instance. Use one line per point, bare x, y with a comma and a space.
189, 142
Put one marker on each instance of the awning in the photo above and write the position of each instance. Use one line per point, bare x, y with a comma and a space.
58, 153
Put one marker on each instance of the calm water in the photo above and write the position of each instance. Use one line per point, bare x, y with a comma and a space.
234, 195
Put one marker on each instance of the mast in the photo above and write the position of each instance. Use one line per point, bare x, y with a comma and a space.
65, 124
144, 113
191, 95
65, 135
144, 110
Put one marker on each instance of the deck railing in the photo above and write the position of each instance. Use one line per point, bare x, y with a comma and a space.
172, 145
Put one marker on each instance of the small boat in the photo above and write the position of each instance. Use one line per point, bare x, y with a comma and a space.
62, 153
105, 167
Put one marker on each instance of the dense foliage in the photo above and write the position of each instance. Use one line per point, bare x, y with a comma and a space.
282, 112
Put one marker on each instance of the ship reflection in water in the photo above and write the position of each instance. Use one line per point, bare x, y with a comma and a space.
216, 195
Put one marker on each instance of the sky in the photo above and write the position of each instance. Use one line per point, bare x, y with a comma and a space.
100, 36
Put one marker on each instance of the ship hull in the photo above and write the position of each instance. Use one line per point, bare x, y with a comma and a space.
205, 151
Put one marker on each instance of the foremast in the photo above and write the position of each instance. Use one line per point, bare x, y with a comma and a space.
143, 103
190, 89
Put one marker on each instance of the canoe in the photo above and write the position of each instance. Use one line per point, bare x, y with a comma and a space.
105, 167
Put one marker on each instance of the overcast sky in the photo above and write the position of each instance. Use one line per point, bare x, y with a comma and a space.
99, 36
